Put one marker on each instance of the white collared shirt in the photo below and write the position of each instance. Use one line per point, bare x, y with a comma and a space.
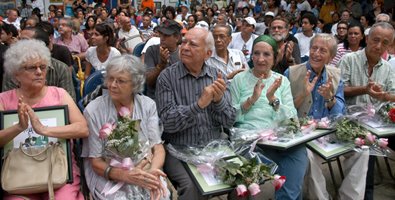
236, 60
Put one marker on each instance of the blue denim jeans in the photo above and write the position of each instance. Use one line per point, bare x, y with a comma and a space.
292, 164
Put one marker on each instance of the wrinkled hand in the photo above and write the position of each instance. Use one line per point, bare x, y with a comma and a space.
139, 177
257, 89
309, 85
162, 190
164, 55
22, 115
273, 88
37, 126
219, 88
326, 90
375, 90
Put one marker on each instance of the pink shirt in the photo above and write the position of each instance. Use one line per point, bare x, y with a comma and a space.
53, 97
77, 45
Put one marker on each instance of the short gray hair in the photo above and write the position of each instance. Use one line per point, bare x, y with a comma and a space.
330, 41
132, 65
209, 40
23, 51
387, 17
383, 25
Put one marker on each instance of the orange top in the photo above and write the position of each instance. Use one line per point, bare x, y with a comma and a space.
148, 4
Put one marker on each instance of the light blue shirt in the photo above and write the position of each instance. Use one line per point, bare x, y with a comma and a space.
318, 109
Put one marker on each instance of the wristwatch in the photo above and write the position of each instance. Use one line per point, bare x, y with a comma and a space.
275, 104
330, 99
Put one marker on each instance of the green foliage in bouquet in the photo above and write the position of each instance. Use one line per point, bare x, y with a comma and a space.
288, 128
347, 130
246, 172
125, 138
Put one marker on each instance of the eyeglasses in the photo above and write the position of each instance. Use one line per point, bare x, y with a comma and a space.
342, 28
119, 82
33, 69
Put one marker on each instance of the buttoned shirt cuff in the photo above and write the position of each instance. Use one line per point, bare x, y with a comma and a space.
195, 109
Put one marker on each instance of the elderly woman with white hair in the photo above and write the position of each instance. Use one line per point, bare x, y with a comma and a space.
27, 62
125, 77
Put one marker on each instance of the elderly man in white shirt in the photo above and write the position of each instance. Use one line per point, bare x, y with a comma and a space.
229, 61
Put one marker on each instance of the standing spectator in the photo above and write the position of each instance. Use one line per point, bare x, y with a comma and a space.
378, 8
193, 104
309, 22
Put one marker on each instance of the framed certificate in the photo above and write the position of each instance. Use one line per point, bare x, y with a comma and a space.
207, 183
328, 150
378, 127
286, 143
49, 116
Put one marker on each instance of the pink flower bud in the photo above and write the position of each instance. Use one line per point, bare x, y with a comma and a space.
124, 112
105, 130
383, 142
254, 189
278, 181
359, 142
370, 138
241, 191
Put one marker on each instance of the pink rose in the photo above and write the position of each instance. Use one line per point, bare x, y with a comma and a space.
359, 142
383, 142
254, 189
106, 130
370, 138
124, 112
278, 181
241, 191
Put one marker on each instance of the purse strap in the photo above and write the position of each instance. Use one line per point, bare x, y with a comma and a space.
51, 155
34, 156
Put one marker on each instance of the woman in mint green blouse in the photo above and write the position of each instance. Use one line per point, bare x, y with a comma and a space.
262, 98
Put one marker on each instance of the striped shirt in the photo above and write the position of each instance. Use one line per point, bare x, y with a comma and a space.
354, 68
184, 122
341, 51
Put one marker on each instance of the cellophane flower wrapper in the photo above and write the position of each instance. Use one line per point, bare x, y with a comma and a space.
198, 155
349, 131
288, 129
123, 143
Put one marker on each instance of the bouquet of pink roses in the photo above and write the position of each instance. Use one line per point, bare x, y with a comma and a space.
123, 148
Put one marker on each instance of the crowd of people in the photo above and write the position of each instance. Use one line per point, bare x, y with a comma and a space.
205, 67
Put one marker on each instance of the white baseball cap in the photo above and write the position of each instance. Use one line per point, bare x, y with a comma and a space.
202, 24
269, 14
250, 21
